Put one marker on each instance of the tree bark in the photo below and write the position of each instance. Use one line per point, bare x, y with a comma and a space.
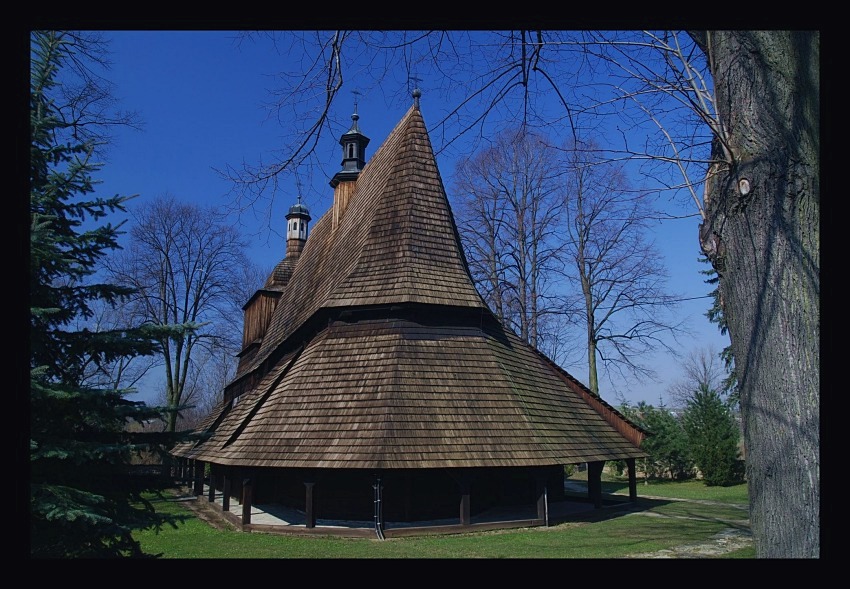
762, 236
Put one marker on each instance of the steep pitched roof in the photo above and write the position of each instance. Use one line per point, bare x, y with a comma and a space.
397, 242
417, 373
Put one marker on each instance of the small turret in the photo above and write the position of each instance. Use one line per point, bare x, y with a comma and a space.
260, 307
354, 144
297, 228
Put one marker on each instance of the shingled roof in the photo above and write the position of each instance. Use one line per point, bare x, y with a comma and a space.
381, 353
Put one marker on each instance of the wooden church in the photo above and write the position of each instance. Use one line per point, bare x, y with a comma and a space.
374, 382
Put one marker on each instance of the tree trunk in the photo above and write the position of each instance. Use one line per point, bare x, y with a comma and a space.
762, 236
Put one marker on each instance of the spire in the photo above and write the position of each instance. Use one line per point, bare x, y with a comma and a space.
354, 144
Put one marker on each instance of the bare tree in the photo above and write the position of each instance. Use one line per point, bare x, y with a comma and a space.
736, 118
620, 276
186, 267
702, 369
209, 372
510, 205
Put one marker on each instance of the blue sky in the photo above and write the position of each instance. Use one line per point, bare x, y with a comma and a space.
202, 99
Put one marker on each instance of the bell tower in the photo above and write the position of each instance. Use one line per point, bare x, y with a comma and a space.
353, 144
297, 228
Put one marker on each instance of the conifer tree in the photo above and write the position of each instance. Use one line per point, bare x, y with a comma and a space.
83, 502
713, 438
667, 444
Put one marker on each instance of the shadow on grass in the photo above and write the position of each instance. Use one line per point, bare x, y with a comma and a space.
613, 506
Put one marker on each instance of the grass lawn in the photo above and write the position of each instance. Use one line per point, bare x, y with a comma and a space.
693, 490
656, 524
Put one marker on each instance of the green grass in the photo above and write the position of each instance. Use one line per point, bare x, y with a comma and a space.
749, 552
693, 490
614, 534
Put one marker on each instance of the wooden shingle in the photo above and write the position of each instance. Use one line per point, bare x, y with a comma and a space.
381, 354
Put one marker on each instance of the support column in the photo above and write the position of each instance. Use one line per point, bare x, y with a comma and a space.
225, 494
542, 500
408, 494
167, 471
465, 487
630, 463
199, 478
308, 505
594, 482
211, 492
247, 500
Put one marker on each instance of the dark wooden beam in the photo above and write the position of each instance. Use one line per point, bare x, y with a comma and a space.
225, 492
199, 478
408, 493
247, 499
542, 498
309, 512
465, 486
630, 463
594, 482
211, 492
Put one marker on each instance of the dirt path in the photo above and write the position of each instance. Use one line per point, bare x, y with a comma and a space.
725, 541
733, 538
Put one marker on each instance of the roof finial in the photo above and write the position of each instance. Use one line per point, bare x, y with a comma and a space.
416, 92
298, 185
355, 116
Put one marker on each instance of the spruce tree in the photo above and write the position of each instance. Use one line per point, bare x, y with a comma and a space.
713, 437
83, 502
667, 444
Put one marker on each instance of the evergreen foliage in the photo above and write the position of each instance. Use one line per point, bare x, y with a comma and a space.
83, 502
713, 437
667, 444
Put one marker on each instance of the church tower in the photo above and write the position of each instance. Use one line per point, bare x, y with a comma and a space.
354, 144
259, 309
297, 228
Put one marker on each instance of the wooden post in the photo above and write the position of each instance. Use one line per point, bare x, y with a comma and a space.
309, 512
247, 499
408, 493
225, 494
594, 482
211, 496
465, 486
542, 500
630, 462
168, 467
199, 478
